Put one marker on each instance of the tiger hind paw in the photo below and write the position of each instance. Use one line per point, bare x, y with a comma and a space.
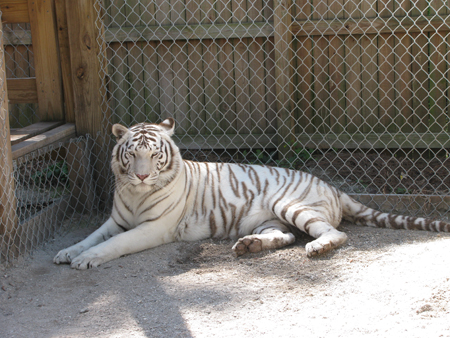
247, 244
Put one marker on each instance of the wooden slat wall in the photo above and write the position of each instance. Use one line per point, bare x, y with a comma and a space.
356, 68
222, 83
393, 76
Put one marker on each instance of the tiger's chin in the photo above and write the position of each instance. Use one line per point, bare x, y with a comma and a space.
143, 186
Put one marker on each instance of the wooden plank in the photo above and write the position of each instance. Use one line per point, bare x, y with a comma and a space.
300, 28
227, 87
152, 103
64, 51
56, 135
283, 73
86, 67
21, 134
80, 175
211, 86
14, 11
438, 101
318, 140
189, 32
337, 84
22, 90
119, 86
304, 82
8, 202
336, 70
46, 59
180, 82
403, 82
386, 91
257, 86
26, 114
136, 79
196, 93
321, 103
241, 75
166, 80
269, 81
420, 85
369, 72
354, 26
353, 84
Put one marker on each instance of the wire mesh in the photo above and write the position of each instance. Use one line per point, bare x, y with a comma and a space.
20, 64
355, 93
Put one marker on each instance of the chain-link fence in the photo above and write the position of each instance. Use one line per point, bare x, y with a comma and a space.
356, 93
353, 92
19, 65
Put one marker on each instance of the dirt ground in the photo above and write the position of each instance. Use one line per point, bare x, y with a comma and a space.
382, 283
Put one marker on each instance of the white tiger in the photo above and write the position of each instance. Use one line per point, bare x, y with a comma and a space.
161, 198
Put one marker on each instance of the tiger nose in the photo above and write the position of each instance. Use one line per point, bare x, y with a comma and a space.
142, 177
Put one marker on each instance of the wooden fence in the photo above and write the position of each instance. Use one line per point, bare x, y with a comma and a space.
332, 73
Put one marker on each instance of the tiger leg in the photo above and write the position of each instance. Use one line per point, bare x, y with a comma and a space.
145, 236
106, 231
269, 235
327, 236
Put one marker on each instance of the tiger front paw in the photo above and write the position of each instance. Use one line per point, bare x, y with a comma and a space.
66, 255
88, 260
247, 244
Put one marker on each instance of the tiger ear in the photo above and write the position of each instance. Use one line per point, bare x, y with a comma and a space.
119, 131
168, 125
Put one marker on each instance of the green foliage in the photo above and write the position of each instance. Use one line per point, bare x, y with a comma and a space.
53, 174
302, 155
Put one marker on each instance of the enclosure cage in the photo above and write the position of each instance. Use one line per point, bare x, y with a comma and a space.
354, 92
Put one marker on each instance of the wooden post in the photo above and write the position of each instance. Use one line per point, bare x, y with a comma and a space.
64, 52
283, 73
88, 85
8, 203
46, 59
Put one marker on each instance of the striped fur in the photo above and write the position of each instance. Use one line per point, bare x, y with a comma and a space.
161, 198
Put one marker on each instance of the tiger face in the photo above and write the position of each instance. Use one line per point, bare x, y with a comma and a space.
142, 152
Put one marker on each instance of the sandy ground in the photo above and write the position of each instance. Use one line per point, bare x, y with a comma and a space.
383, 283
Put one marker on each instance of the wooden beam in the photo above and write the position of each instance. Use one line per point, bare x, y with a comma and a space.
64, 51
283, 73
21, 134
89, 83
372, 26
8, 202
46, 60
22, 90
260, 29
85, 66
57, 135
14, 11
190, 32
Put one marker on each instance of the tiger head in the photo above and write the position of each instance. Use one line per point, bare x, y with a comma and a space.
145, 154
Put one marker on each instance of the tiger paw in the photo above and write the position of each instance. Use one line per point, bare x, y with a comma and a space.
88, 260
315, 248
67, 255
247, 244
